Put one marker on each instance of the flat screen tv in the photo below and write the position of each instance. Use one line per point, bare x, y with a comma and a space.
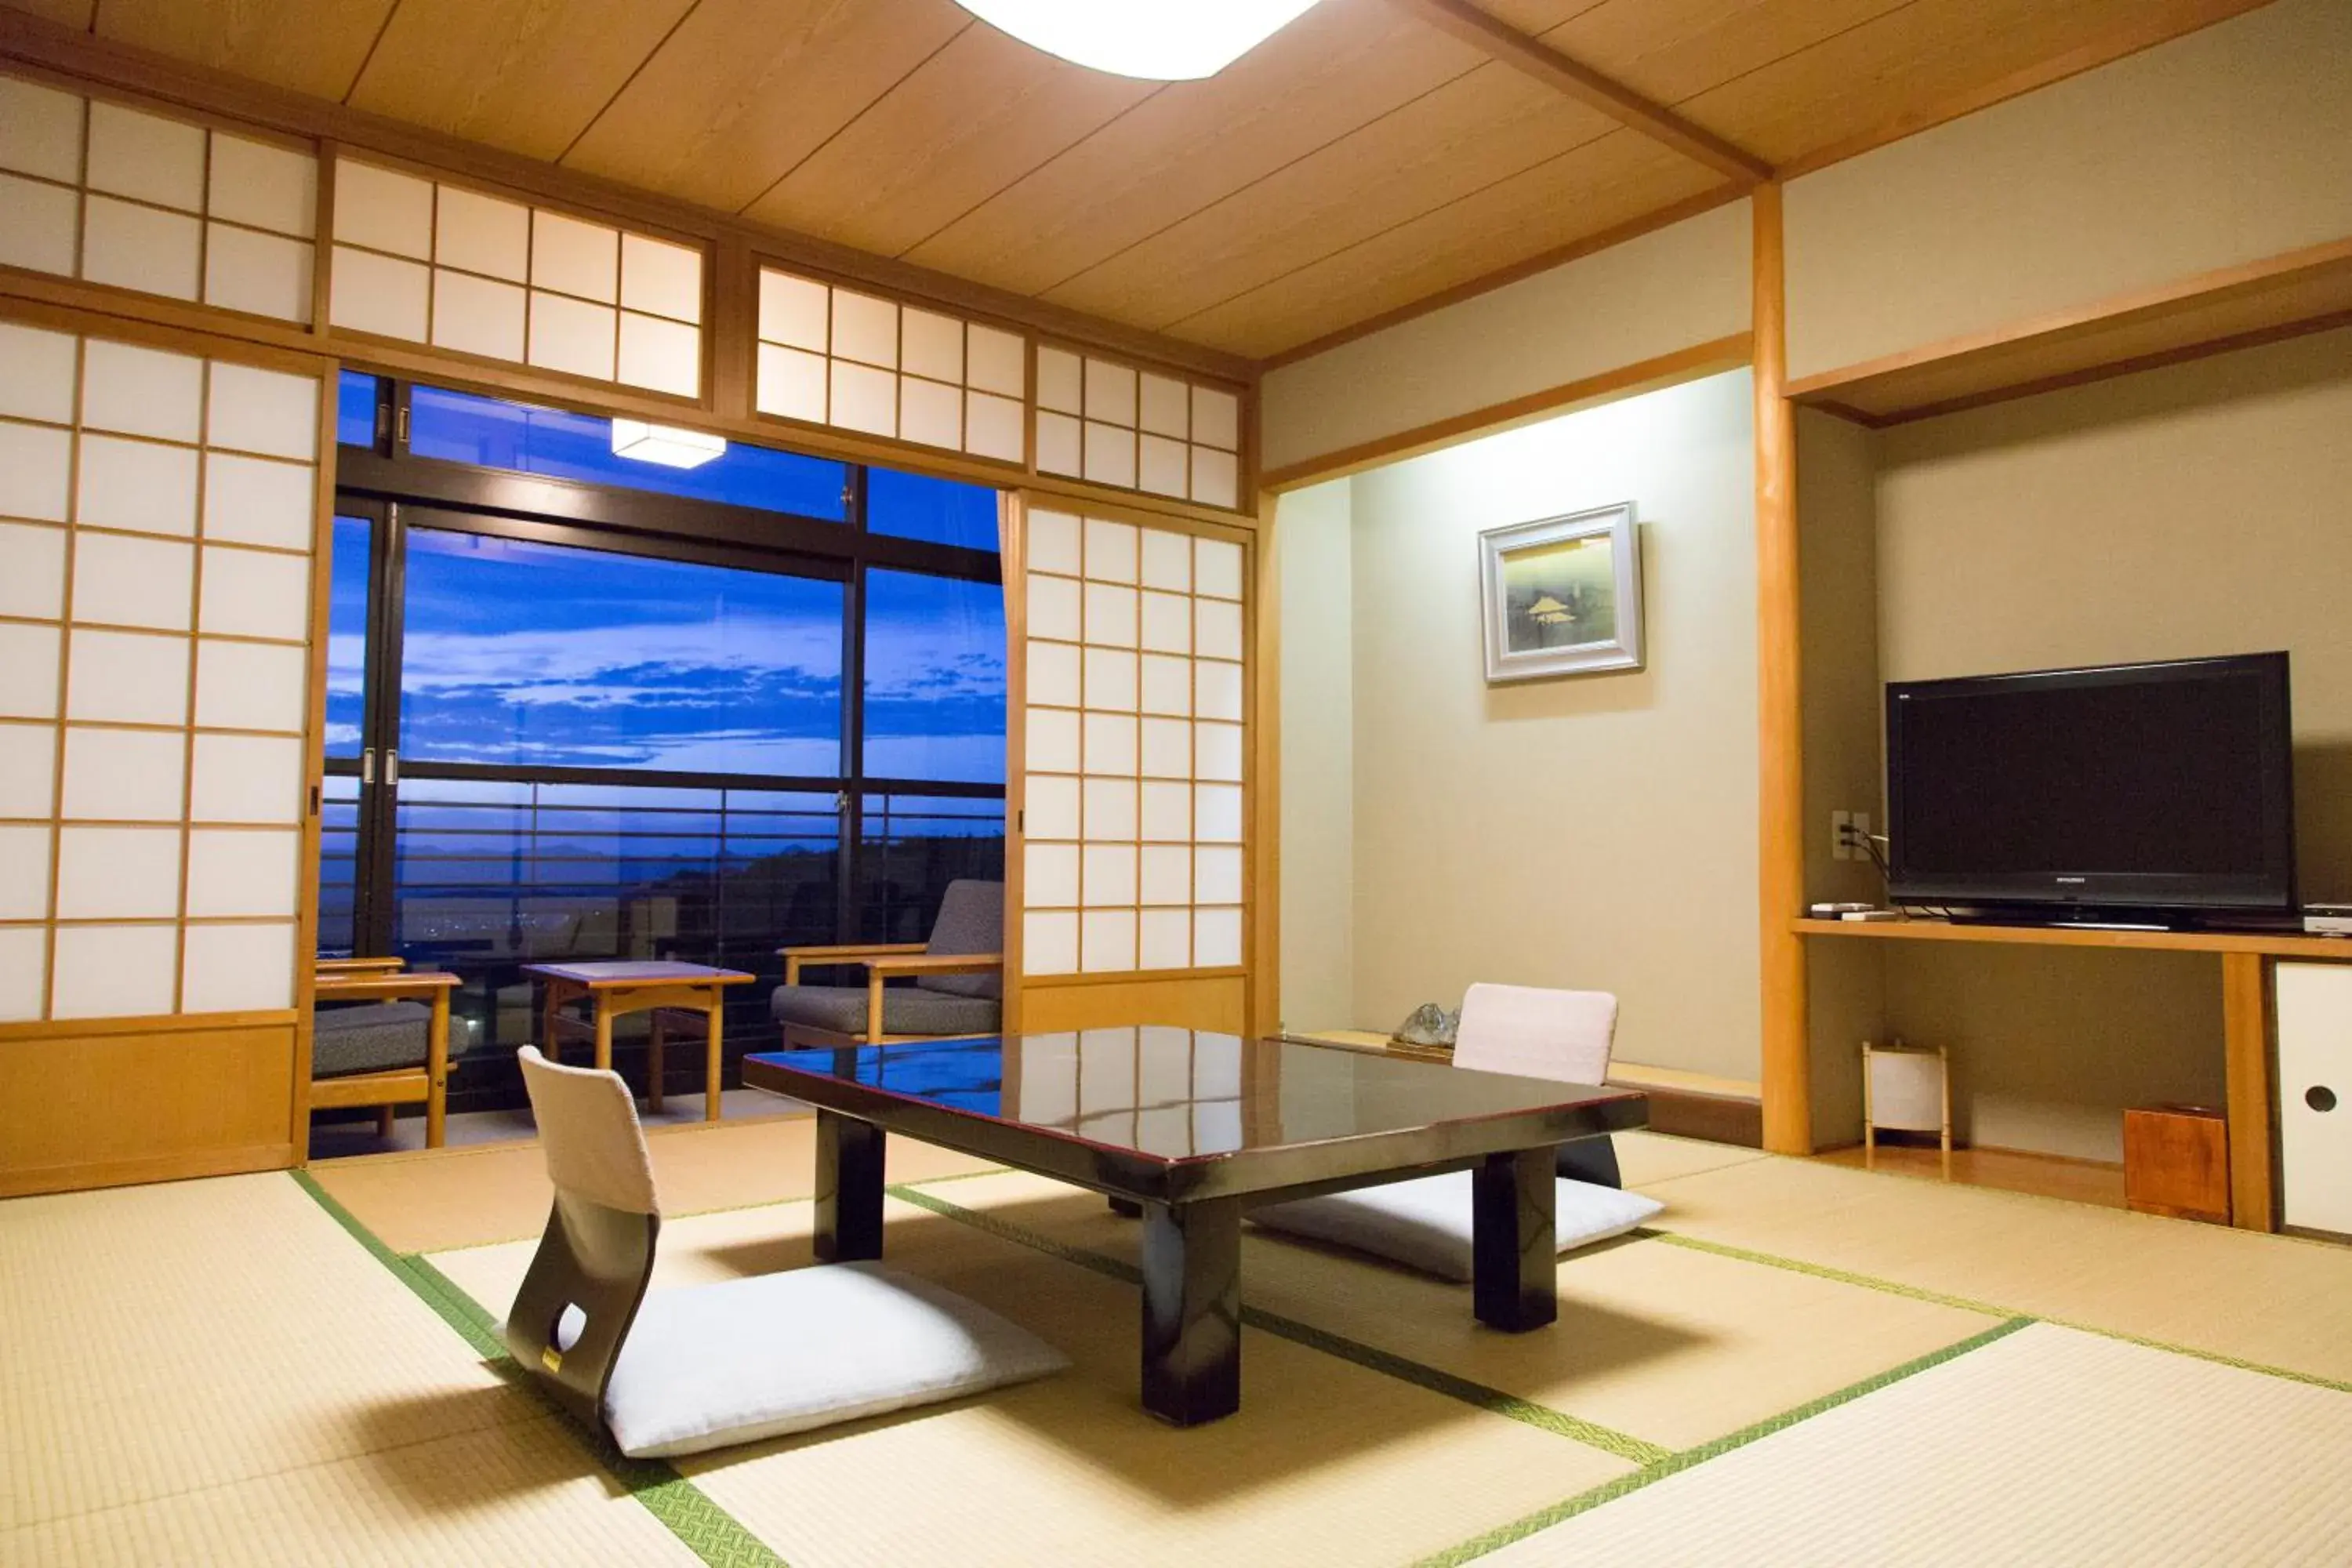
2156, 790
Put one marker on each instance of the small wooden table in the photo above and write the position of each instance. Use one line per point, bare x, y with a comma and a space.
616, 989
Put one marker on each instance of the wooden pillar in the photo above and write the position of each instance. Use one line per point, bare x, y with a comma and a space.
2246, 1035
1780, 880
1264, 824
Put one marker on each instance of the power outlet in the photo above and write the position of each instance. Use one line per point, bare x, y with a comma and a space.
1849, 835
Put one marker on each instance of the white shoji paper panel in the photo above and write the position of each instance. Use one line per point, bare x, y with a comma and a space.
431, 262
173, 836
139, 199
29, 761
233, 968
24, 963
111, 972
859, 362
1135, 744
1113, 424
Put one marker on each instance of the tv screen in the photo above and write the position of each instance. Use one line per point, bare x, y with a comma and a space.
2129, 787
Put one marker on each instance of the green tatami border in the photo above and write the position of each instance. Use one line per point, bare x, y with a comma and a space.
1494, 1401
709, 1532
1938, 1298
1688, 1458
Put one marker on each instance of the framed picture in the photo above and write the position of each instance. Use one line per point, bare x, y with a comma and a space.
1562, 595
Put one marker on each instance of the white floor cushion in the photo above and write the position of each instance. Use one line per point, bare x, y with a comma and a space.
1425, 1223
713, 1365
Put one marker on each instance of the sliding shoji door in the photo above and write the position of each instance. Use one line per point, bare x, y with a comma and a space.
158, 514
1131, 743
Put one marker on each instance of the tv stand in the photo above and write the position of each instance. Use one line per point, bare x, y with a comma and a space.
2246, 1014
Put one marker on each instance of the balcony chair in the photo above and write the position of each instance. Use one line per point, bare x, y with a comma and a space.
380, 1036
1424, 1223
958, 980
684, 1370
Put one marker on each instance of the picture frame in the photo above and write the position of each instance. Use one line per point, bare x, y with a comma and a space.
1562, 595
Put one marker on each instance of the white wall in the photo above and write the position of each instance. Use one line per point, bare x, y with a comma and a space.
1598, 831
1314, 561
1668, 289
2227, 146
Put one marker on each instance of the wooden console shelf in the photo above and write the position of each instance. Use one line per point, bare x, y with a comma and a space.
2278, 944
2246, 1024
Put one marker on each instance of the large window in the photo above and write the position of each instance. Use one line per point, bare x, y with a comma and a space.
575, 711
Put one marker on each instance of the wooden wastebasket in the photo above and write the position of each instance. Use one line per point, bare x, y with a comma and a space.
2177, 1161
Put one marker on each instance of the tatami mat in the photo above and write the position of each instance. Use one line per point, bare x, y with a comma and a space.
527, 1493
2273, 1301
160, 1340
1646, 1157
428, 1202
1327, 1461
1671, 1345
2045, 1446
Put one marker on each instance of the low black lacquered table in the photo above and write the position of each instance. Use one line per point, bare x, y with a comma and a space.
1194, 1129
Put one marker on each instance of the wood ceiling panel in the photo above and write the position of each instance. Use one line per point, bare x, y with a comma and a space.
74, 14
1581, 193
1476, 129
1670, 50
306, 46
745, 89
968, 122
524, 75
1919, 57
1336, 69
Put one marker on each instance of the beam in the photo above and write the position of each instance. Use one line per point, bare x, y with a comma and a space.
1540, 60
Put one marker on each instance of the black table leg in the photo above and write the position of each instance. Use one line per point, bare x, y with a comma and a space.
1513, 1246
1193, 1311
848, 1189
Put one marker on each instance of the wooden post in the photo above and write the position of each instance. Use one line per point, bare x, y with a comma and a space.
1780, 880
2246, 1035
1265, 795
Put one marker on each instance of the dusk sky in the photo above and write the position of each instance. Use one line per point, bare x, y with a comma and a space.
519, 654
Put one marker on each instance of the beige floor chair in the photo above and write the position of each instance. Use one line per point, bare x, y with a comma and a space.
679, 1370
1424, 1222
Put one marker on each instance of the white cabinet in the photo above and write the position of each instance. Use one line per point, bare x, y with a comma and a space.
2314, 1089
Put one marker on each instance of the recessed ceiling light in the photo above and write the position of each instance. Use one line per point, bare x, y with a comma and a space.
665, 444
1158, 40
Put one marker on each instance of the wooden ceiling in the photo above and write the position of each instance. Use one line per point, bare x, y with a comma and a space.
1373, 155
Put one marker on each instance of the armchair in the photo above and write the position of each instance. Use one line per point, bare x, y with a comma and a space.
389, 1048
957, 981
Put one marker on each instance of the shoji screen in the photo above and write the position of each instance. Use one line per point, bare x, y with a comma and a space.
156, 523
1133, 747
114, 194
859, 362
435, 263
